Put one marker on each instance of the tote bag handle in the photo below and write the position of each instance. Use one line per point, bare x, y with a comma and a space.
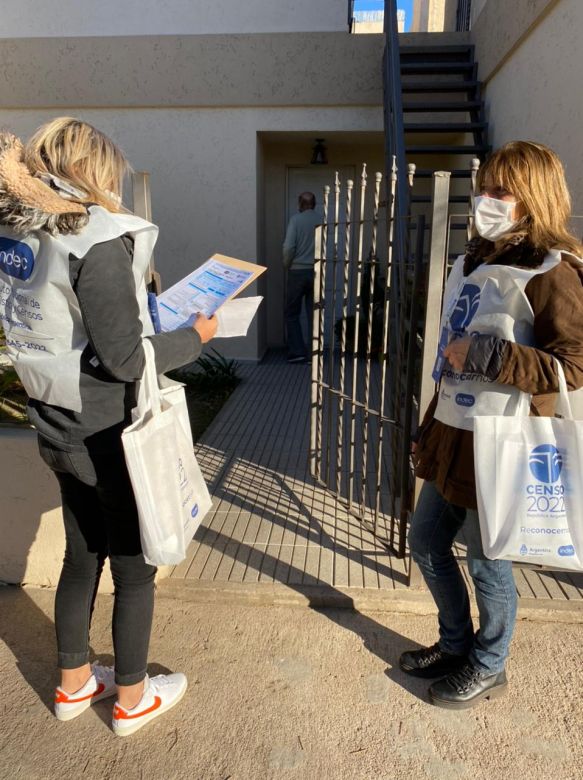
148, 390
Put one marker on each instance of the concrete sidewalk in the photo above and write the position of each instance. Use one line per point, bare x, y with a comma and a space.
290, 693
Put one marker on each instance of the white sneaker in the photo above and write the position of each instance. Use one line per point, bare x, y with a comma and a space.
99, 686
160, 694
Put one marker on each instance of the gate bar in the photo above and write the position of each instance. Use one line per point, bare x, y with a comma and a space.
332, 333
406, 471
345, 294
318, 344
372, 281
356, 342
389, 306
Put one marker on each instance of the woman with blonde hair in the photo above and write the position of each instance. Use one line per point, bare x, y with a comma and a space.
512, 305
74, 310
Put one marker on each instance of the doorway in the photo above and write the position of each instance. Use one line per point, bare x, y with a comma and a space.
314, 180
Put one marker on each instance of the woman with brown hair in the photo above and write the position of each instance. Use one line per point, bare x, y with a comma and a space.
74, 310
512, 305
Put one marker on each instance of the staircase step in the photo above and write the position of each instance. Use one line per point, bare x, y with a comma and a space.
439, 86
411, 68
417, 50
452, 199
445, 149
427, 173
444, 127
426, 106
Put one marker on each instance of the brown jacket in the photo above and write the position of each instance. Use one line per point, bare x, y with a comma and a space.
444, 454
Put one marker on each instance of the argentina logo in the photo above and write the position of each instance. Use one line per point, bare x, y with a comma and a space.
465, 308
545, 463
16, 258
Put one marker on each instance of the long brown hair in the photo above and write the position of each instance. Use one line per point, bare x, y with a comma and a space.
535, 176
82, 156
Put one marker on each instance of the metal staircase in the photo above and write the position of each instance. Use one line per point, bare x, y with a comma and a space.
443, 119
452, 88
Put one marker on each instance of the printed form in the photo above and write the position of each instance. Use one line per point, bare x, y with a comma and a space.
208, 289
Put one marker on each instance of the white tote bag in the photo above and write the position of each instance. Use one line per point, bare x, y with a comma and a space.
529, 483
170, 491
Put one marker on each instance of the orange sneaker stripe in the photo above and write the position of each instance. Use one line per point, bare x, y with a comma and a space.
120, 714
63, 698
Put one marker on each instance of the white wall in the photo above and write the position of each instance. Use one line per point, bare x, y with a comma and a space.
56, 18
536, 95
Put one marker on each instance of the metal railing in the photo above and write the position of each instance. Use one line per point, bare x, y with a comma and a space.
463, 16
350, 15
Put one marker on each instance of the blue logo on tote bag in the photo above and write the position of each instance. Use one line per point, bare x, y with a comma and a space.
566, 550
546, 463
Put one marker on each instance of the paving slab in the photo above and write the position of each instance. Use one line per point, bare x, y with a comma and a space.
289, 693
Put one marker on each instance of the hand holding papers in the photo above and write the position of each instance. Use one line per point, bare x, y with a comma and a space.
208, 289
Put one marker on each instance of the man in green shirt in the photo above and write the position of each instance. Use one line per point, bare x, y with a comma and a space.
298, 259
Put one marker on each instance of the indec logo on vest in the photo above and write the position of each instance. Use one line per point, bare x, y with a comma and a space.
16, 258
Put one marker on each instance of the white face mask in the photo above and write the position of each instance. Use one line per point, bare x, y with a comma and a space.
493, 217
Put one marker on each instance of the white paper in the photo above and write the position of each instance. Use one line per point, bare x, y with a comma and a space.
235, 316
204, 290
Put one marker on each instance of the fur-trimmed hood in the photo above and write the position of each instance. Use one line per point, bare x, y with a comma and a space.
27, 203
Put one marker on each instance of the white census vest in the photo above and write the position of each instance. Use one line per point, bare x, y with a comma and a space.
39, 311
491, 300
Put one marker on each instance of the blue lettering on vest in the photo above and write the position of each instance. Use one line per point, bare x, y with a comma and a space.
16, 258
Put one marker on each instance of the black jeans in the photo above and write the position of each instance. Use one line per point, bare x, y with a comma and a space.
300, 287
101, 520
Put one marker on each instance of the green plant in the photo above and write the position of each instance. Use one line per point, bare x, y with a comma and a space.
211, 373
13, 398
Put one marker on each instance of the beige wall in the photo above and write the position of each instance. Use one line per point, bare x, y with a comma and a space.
501, 27
204, 166
477, 8
535, 94
32, 18
194, 121
285, 69
429, 16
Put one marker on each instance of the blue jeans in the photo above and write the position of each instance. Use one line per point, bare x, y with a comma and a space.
434, 526
300, 287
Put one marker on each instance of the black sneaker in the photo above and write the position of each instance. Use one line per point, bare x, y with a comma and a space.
467, 687
297, 359
431, 662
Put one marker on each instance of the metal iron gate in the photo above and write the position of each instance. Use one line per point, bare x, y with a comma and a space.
365, 356
374, 339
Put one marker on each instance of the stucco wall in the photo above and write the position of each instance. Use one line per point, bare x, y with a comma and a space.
429, 16
536, 95
203, 165
188, 109
31, 18
477, 8
201, 70
501, 27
